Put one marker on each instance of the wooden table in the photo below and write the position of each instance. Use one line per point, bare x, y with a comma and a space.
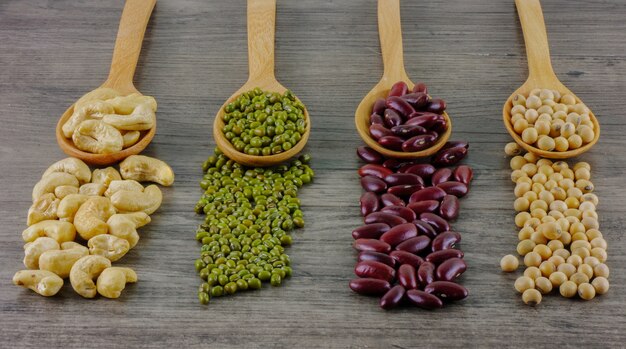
470, 52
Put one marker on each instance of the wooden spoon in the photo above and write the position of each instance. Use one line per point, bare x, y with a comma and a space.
540, 75
261, 23
130, 35
390, 33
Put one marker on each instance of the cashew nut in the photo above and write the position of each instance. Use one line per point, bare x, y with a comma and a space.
59, 231
73, 166
84, 271
126, 104
130, 138
125, 226
33, 250
50, 182
91, 110
118, 185
108, 246
144, 168
97, 137
64, 190
113, 280
43, 282
99, 94
92, 189
133, 201
142, 118
105, 176
69, 205
90, 219
44, 208
61, 261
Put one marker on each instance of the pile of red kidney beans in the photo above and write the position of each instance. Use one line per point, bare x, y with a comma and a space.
406, 120
407, 248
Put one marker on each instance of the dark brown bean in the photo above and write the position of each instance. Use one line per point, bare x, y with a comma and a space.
378, 131
393, 297
369, 203
449, 157
379, 106
404, 257
400, 105
425, 171
404, 191
408, 131
437, 105
463, 174
455, 188
426, 273
435, 221
407, 276
430, 193
370, 231
371, 245
424, 228
382, 217
451, 269
403, 179
400, 211
439, 257
392, 164
374, 170
446, 240
420, 87
417, 99
446, 290
391, 142
391, 200
399, 234
418, 143
377, 257
454, 144
369, 155
370, 287
423, 300
424, 206
373, 184
441, 175
449, 208
392, 118
414, 245
376, 119
398, 89
375, 270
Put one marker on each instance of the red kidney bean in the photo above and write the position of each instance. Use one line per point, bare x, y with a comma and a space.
391, 200
370, 231
441, 175
370, 287
369, 203
382, 217
399, 233
393, 297
454, 144
376, 257
398, 89
449, 208
371, 245
417, 99
446, 290
419, 143
408, 131
425, 229
425, 171
463, 174
420, 87
404, 190
369, 155
404, 257
374, 170
430, 193
373, 184
437, 105
375, 270
403, 179
376, 119
415, 244
435, 221
400, 105
378, 131
400, 211
449, 156
379, 106
423, 300
445, 241
439, 257
426, 273
457, 189
424, 206
451, 269
392, 118
440, 125
392, 164
391, 142
407, 276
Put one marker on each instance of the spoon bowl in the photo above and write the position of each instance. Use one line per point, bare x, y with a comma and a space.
130, 35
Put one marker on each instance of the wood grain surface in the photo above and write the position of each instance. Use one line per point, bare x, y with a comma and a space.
469, 52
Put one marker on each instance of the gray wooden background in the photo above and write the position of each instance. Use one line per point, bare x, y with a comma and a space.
470, 52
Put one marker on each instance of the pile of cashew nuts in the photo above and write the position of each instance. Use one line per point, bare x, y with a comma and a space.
105, 122
103, 208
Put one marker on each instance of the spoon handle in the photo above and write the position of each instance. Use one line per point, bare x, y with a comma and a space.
261, 28
390, 33
130, 34
536, 39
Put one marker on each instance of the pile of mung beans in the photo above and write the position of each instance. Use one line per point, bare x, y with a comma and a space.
559, 237
249, 213
407, 248
264, 123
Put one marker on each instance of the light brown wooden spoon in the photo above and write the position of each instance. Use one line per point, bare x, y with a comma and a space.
540, 75
261, 24
390, 33
130, 35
